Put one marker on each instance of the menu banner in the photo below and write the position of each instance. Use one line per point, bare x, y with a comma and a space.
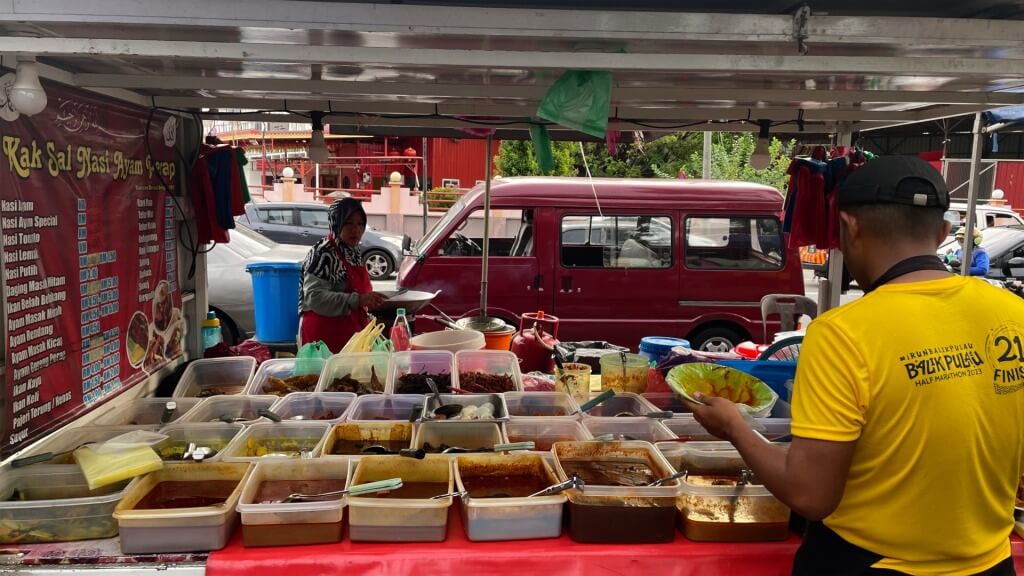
89, 256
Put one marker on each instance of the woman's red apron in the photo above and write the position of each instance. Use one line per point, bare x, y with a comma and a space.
336, 331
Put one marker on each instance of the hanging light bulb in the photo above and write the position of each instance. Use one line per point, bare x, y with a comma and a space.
27, 94
760, 158
317, 145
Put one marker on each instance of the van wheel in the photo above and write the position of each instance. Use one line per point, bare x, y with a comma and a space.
716, 339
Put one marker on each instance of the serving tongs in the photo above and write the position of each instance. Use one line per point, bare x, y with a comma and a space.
462, 494
264, 412
574, 483
745, 477
682, 474
507, 447
357, 490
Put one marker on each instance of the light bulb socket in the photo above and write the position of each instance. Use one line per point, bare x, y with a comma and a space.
27, 94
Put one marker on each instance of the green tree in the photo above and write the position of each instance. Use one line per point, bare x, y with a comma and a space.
516, 158
730, 160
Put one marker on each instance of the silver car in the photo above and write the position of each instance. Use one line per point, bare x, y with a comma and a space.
230, 286
305, 223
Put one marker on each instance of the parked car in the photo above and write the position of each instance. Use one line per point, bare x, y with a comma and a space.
683, 258
987, 217
1002, 244
230, 286
305, 223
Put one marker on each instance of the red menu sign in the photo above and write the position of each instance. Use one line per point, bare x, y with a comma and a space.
90, 262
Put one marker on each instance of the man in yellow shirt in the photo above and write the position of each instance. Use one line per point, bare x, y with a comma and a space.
908, 406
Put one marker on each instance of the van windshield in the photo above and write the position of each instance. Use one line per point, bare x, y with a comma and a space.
454, 212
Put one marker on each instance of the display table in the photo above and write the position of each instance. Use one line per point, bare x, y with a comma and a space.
458, 556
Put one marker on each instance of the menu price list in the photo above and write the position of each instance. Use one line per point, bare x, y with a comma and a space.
34, 303
100, 292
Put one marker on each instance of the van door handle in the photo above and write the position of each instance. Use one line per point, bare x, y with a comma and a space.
566, 285
536, 284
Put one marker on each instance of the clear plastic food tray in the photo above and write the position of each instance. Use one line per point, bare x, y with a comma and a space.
620, 405
363, 367
509, 518
283, 368
70, 438
419, 361
214, 435
490, 362
393, 435
196, 529
469, 435
724, 513
294, 523
145, 412
544, 432
314, 406
275, 440
541, 405
244, 409
400, 520
228, 375
376, 407
47, 503
638, 429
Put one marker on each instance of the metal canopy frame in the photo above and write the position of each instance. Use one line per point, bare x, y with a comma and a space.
432, 69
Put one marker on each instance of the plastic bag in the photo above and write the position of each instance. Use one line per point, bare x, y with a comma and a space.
542, 147
248, 348
308, 360
120, 458
588, 352
579, 100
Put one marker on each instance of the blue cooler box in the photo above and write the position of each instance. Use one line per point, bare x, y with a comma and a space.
774, 373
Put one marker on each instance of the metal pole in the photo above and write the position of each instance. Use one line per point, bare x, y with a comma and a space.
972, 197
830, 290
487, 227
423, 186
707, 156
316, 180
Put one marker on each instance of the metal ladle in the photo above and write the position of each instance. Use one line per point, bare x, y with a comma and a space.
357, 490
447, 410
572, 483
509, 447
668, 478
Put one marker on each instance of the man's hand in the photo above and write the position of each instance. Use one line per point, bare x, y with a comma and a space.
718, 416
371, 300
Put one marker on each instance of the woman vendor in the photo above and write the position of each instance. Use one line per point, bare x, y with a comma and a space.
335, 291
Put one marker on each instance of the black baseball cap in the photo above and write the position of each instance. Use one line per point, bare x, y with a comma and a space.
895, 180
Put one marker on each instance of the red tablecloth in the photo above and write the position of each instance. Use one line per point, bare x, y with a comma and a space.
458, 556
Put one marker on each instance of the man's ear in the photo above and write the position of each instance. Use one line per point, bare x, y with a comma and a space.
851, 223
947, 227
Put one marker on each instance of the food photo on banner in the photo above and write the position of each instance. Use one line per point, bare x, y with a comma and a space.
90, 262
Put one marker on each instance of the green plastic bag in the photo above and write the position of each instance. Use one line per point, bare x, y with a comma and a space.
311, 358
579, 100
542, 147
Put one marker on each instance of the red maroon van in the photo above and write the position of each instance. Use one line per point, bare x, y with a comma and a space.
615, 261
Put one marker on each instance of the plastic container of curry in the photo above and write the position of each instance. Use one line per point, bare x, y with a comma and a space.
53, 503
314, 406
617, 505
232, 409
268, 520
181, 508
488, 371
277, 440
541, 405
409, 514
350, 439
498, 506
544, 432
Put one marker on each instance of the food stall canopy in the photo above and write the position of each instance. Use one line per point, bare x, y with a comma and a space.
1003, 117
422, 66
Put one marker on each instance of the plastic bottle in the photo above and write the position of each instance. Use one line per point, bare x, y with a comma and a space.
400, 332
211, 331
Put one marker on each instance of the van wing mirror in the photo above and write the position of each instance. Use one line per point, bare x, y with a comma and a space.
406, 244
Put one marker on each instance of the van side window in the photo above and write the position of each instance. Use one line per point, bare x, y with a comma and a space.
734, 243
511, 235
616, 241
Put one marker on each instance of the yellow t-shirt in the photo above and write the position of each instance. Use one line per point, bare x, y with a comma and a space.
928, 379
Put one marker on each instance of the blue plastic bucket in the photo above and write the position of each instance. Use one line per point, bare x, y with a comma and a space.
656, 347
275, 299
